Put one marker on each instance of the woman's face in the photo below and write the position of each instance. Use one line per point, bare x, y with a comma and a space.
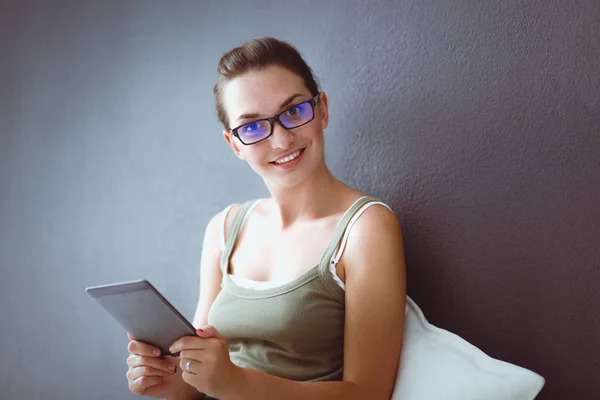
264, 94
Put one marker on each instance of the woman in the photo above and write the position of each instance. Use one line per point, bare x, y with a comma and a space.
305, 299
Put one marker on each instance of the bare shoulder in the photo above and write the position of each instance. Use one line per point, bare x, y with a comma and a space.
376, 234
227, 216
377, 221
217, 228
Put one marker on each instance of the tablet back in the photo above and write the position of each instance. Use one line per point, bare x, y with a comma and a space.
143, 312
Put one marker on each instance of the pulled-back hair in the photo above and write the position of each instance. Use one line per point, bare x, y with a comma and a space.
254, 55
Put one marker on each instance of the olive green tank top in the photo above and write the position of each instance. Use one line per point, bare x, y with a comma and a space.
294, 331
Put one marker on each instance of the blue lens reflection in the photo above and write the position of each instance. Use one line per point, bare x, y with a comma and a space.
254, 131
296, 115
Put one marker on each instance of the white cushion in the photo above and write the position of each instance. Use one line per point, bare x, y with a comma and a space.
438, 365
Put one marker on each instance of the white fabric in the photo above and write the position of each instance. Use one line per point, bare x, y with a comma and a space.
252, 284
436, 364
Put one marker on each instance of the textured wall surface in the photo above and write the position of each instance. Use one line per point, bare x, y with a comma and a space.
477, 121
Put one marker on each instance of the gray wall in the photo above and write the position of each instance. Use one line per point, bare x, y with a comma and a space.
478, 121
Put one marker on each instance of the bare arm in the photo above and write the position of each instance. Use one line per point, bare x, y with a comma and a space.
210, 270
210, 280
375, 303
210, 273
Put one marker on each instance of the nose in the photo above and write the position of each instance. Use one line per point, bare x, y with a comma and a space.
281, 138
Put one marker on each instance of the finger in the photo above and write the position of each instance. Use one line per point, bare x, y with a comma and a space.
143, 349
129, 336
195, 355
186, 342
209, 331
189, 378
143, 383
209, 344
173, 359
138, 372
189, 366
167, 365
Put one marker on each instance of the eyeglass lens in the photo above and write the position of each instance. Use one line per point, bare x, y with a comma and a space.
290, 118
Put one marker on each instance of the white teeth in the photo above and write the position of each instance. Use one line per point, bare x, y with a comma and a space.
288, 158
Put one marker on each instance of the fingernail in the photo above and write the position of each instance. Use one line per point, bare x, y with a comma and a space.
156, 352
172, 367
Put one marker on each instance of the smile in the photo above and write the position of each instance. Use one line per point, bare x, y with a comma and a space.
288, 158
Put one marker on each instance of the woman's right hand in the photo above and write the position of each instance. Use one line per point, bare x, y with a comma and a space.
150, 374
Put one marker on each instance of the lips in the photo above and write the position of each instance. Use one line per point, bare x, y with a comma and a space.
283, 156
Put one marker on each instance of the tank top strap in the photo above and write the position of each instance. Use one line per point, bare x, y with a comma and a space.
324, 272
236, 226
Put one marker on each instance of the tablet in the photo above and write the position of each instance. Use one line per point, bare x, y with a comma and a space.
143, 312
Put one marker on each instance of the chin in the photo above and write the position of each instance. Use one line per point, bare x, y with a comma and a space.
293, 178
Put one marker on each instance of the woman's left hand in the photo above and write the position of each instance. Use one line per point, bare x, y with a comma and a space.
205, 362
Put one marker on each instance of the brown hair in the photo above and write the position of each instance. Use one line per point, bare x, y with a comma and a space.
254, 55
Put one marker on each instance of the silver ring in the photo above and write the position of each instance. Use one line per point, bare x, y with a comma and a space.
187, 366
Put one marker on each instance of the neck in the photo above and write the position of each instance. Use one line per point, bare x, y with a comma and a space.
314, 198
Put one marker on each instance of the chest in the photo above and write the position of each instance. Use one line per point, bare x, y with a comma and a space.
264, 253
304, 322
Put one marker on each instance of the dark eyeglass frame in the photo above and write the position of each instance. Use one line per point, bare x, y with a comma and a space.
276, 118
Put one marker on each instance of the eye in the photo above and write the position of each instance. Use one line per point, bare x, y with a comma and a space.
293, 112
251, 127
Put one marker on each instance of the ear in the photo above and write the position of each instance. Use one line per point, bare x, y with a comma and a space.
233, 143
324, 107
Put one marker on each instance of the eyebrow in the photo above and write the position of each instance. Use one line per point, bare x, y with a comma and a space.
287, 102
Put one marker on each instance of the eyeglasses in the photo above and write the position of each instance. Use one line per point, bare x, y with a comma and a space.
293, 117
